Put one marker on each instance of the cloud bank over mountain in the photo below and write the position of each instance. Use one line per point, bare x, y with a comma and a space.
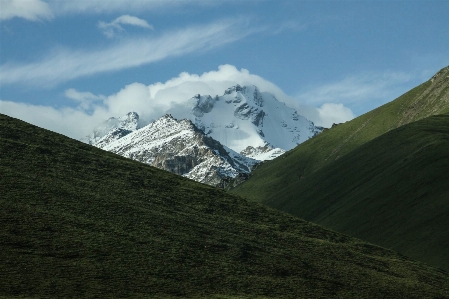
152, 101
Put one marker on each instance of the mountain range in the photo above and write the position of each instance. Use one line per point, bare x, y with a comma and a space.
80, 222
214, 140
180, 147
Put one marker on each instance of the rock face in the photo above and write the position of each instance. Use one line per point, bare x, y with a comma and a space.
434, 99
214, 140
180, 147
121, 125
248, 121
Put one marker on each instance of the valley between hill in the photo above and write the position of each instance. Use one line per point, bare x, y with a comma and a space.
381, 177
76, 221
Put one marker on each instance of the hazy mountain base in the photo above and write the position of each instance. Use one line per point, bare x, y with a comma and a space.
76, 221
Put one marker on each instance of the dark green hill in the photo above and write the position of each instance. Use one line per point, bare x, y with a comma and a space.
76, 221
429, 98
392, 191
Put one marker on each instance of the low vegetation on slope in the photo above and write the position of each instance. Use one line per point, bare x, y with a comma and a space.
76, 221
392, 191
429, 98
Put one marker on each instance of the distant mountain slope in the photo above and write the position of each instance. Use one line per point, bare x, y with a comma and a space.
248, 121
125, 125
429, 98
392, 191
216, 141
79, 222
181, 148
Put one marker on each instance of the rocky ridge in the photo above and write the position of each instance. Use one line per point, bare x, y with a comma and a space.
214, 140
180, 147
114, 127
249, 121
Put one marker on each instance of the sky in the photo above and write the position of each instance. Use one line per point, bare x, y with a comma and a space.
68, 65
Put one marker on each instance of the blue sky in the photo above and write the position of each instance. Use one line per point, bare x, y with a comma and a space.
67, 65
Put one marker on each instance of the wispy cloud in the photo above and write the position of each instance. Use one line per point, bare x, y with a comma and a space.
109, 29
33, 10
67, 64
86, 100
66, 120
356, 89
36, 10
103, 6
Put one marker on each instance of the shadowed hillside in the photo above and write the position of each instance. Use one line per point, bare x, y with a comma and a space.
392, 191
76, 221
429, 98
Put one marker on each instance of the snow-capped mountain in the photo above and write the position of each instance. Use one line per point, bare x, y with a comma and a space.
248, 121
121, 127
209, 139
179, 147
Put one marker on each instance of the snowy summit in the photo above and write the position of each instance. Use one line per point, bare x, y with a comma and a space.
248, 121
209, 139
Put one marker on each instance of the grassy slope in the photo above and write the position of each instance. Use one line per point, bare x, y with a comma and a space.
76, 221
392, 191
430, 98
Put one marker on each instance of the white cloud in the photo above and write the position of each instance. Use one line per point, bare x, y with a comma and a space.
68, 121
356, 89
360, 93
130, 20
35, 10
66, 64
134, 97
152, 101
109, 29
330, 113
186, 85
32, 10
85, 99
103, 6
177, 90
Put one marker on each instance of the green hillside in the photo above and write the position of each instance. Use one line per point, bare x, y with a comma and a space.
429, 98
76, 221
392, 191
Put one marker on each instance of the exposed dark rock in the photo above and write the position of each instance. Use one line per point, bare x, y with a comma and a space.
257, 118
234, 88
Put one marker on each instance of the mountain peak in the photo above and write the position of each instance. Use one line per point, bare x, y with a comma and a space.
120, 125
243, 116
171, 122
209, 138
441, 75
167, 116
180, 147
234, 88
132, 115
